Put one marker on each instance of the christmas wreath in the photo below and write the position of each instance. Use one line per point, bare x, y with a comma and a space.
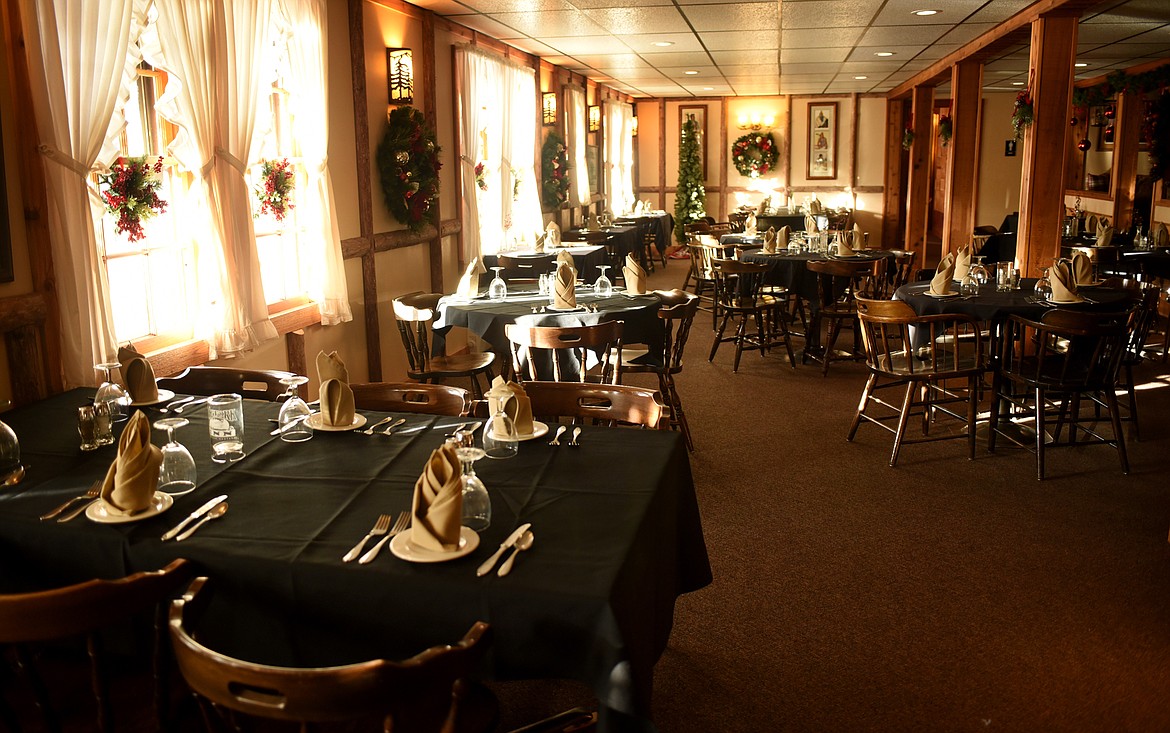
554, 167
408, 165
275, 190
908, 135
130, 190
1023, 113
754, 154
946, 130
481, 175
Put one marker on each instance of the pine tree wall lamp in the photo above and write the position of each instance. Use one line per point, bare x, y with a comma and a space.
400, 75
549, 108
594, 118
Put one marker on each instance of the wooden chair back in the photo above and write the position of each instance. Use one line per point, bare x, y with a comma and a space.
567, 343
256, 384
414, 314
596, 404
423, 693
431, 399
840, 281
527, 268
677, 312
900, 270
738, 284
902, 344
1065, 350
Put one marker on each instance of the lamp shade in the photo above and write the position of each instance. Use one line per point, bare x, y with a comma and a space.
400, 75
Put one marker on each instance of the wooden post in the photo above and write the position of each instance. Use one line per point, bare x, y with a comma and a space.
893, 205
918, 192
427, 56
963, 171
1054, 45
1130, 110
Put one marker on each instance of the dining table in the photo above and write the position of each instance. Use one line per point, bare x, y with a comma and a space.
994, 306
617, 528
659, 225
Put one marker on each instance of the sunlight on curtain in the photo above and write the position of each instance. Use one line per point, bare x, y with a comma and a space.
323, 267
478, 80
619, 156
520, 145
575, 115
81, 72
217, 53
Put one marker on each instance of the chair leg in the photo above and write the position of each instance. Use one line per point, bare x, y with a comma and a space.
1039, 434
993, 418
972, 404
761, 331
830, 342
1111, 401
1132, 394
740, 337
907, 401
865, 392
718, 337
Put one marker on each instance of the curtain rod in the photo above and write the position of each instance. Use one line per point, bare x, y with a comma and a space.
494, 56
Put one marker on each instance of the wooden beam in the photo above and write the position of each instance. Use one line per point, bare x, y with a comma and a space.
893, 203
1054, 46
662, 152
921, 167
294, 350
1130, 110
963, 170
430, 110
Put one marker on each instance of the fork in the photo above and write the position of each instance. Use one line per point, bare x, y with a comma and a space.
380, 528
370, 430
91, 494
399, 527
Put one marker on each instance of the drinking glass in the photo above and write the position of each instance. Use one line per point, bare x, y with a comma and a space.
294, 413
103, 423
978, 271
500, 439
112, 392
176, 475
603, 288
477, 505
969, 286
1003, 276
1043, 288
225, 425
498, 289
87, 427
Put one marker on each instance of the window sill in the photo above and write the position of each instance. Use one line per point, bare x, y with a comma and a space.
175, 356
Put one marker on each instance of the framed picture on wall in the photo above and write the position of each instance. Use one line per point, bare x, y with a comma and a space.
822, 140
699, 112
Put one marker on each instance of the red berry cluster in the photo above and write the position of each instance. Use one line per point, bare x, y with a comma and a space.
130, 191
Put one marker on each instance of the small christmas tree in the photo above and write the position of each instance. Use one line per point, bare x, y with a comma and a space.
690, 203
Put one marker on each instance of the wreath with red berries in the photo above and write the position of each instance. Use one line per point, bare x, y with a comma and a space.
408, 166
554, 167
754, 154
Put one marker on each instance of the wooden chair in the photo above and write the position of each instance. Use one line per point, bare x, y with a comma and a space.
739, 296
83, 610
899, 272
1045, 366
527, 268
596, 404
838, 284
677, 312
570, 348
256, 384
431, 399
702, 272
1141, 323
921, 354
415, 315
428, 693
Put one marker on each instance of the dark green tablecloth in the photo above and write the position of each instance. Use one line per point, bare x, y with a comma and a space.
618, 538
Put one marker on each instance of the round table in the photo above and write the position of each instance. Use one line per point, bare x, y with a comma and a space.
993, 306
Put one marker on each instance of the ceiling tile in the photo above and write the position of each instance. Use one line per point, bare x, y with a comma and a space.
822, 37
1134, 11
828, 13
443, 7
1158, 35
753, 56
901, 12
812, 55
517, 6
639, 75
612, 62
484, 24
901, 53
750, 69
550, 24
998, 11
889, 35
639, 20
966, 32
799, 78
619, 3
643, 43
735, 40
1122, 51
587, 44
688, 59
871, 67
822, 68
734, 17
536, 48
1100, 33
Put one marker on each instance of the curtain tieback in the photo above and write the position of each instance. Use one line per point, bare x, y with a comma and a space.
62, 159
467, 161
227, 157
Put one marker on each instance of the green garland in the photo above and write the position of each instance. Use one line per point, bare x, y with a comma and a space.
1118, 82
754, 154
408, 166
554, 172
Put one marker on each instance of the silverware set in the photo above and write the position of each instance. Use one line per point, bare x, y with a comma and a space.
573, 442
520, 534
381, 529
86, 499
198, 514
388, 430
400, 526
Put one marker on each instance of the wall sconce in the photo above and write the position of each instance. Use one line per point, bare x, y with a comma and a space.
634, 126
755, 121
594, 118
400, 75
549, 108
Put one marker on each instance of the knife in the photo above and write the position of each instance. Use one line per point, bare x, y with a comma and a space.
192, 516
491, 561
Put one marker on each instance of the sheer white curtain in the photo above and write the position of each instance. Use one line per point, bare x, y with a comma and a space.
81, 59
310, 120
216, 54
619, 151
521, 200
575, 116
479, 83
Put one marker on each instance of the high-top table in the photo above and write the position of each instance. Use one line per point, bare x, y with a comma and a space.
618, 538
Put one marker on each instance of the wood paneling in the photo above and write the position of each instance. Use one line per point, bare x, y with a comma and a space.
361, 132
918, 191
893, 205
963, 171
1130, 110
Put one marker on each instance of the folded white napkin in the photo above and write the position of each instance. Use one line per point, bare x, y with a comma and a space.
469, 283
1082, 268
940, 284
437, 505
783, 236
1104, 235
634, 275
565, 288
1064, 286
552, 235
962, 262
1161, 236
749, 225
639, 208
858, 237
770, 241
841, 245
131, 479
565, 256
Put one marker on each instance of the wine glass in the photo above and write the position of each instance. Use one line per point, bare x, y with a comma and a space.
603, 288
978, 270
477, 505
1043, 289
112, 393
498, 289
294, 413
176, 475
500, 439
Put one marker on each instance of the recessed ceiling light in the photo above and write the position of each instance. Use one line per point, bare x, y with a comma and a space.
663, 44
691, 72
1017, 83
1081, 65
708, 89
927, 12
859, 78
884, 53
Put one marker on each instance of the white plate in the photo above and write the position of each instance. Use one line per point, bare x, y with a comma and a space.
1050, 301
946, 295
103, 513
164, 395
403, 548
538, 429
317, 422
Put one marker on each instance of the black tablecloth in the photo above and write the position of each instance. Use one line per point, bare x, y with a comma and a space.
618, 538
661, 226
791, 271
991, 305
1155, 263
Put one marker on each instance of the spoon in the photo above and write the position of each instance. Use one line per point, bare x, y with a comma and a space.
560, 431
522, 544
216, 512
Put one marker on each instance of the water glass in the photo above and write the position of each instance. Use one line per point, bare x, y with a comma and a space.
1003, 276
1043, 289
477, 505
225, 425
103, 421
87, 427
